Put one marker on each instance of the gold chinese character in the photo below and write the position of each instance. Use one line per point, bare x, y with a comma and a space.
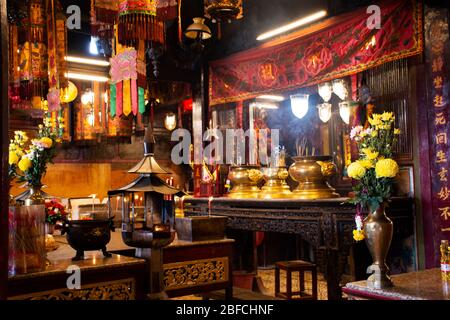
441, 138
445, 212
441, 157
437, 65
438, 101
437, 82
444, 193
443, 174
440, 118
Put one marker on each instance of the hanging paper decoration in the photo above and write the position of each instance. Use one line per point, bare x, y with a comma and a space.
33, 54
137, 21
61, 46
104, 14
167, 9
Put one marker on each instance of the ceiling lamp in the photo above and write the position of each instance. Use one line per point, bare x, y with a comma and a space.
324, 112
325, 91
292, 25
340, 89
198, 30
344, 111
299, 104
170, 121
271, 97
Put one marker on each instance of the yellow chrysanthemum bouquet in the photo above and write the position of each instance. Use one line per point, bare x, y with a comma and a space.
375, 169
28, 160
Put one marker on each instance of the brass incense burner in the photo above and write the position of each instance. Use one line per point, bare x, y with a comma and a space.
312, 173
245, 182
275, 186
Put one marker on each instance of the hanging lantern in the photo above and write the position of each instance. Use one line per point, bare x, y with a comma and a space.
325, 91
137, 21
170, 121
324, 112
68, 94
299, 105
223, 10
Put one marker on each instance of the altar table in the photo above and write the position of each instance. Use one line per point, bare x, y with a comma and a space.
327, 224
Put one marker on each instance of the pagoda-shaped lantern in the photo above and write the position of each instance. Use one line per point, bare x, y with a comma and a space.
148, 213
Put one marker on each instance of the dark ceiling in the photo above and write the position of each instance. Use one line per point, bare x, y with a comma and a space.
259, 16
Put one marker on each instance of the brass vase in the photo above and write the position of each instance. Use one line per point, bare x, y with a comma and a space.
378, 229
312, 172
35, 196
275, 186
245, 182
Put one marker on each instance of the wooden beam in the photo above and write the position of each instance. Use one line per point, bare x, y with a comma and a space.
4, 118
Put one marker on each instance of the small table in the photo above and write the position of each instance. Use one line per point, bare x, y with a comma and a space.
420, 285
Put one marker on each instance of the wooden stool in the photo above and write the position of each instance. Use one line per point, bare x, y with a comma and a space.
295, 266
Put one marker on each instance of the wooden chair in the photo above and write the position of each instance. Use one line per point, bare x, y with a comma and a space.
295, 266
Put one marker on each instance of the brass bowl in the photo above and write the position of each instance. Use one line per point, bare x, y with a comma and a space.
245, 182
312, 172
275, 186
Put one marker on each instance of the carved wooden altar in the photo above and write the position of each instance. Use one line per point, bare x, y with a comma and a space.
326, 224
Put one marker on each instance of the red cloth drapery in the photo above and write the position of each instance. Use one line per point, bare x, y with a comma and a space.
335, 48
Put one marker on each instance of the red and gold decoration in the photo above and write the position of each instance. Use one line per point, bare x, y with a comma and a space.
344, 48
38, 46
223, 11
438, 218
137, 21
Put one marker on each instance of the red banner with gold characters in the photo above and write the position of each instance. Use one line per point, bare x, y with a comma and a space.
437, 34
340, 46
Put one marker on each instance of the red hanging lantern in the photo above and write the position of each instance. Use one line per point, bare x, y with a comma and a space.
137, 21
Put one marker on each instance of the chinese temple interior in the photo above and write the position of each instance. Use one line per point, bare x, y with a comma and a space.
213, 149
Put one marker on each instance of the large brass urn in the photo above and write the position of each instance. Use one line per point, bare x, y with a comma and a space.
312, 172
245, 182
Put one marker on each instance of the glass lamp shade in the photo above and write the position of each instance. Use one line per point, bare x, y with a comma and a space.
344, 111
87, 97
340, 89
325, 91
170, 121
324, 112
198, 30
299, 105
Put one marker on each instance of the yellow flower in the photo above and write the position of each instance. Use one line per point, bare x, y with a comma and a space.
13, 158
46, 142
25, 164
387, 116
358, 235
356, 171
370, 154
397, 131
374, 121
367, 164
386, 168
374, 133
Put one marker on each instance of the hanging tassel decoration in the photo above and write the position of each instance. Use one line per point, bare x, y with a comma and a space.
112, 99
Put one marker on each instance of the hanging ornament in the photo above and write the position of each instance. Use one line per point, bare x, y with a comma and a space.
137, 21
68, 94
223, 11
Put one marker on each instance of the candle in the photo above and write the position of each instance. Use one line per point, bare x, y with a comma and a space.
209, 206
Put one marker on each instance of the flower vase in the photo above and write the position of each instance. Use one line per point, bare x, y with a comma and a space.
26, 239
378, 229
35, 196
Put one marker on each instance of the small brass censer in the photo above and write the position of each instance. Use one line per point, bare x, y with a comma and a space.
245, 180
312, 172
275, 186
